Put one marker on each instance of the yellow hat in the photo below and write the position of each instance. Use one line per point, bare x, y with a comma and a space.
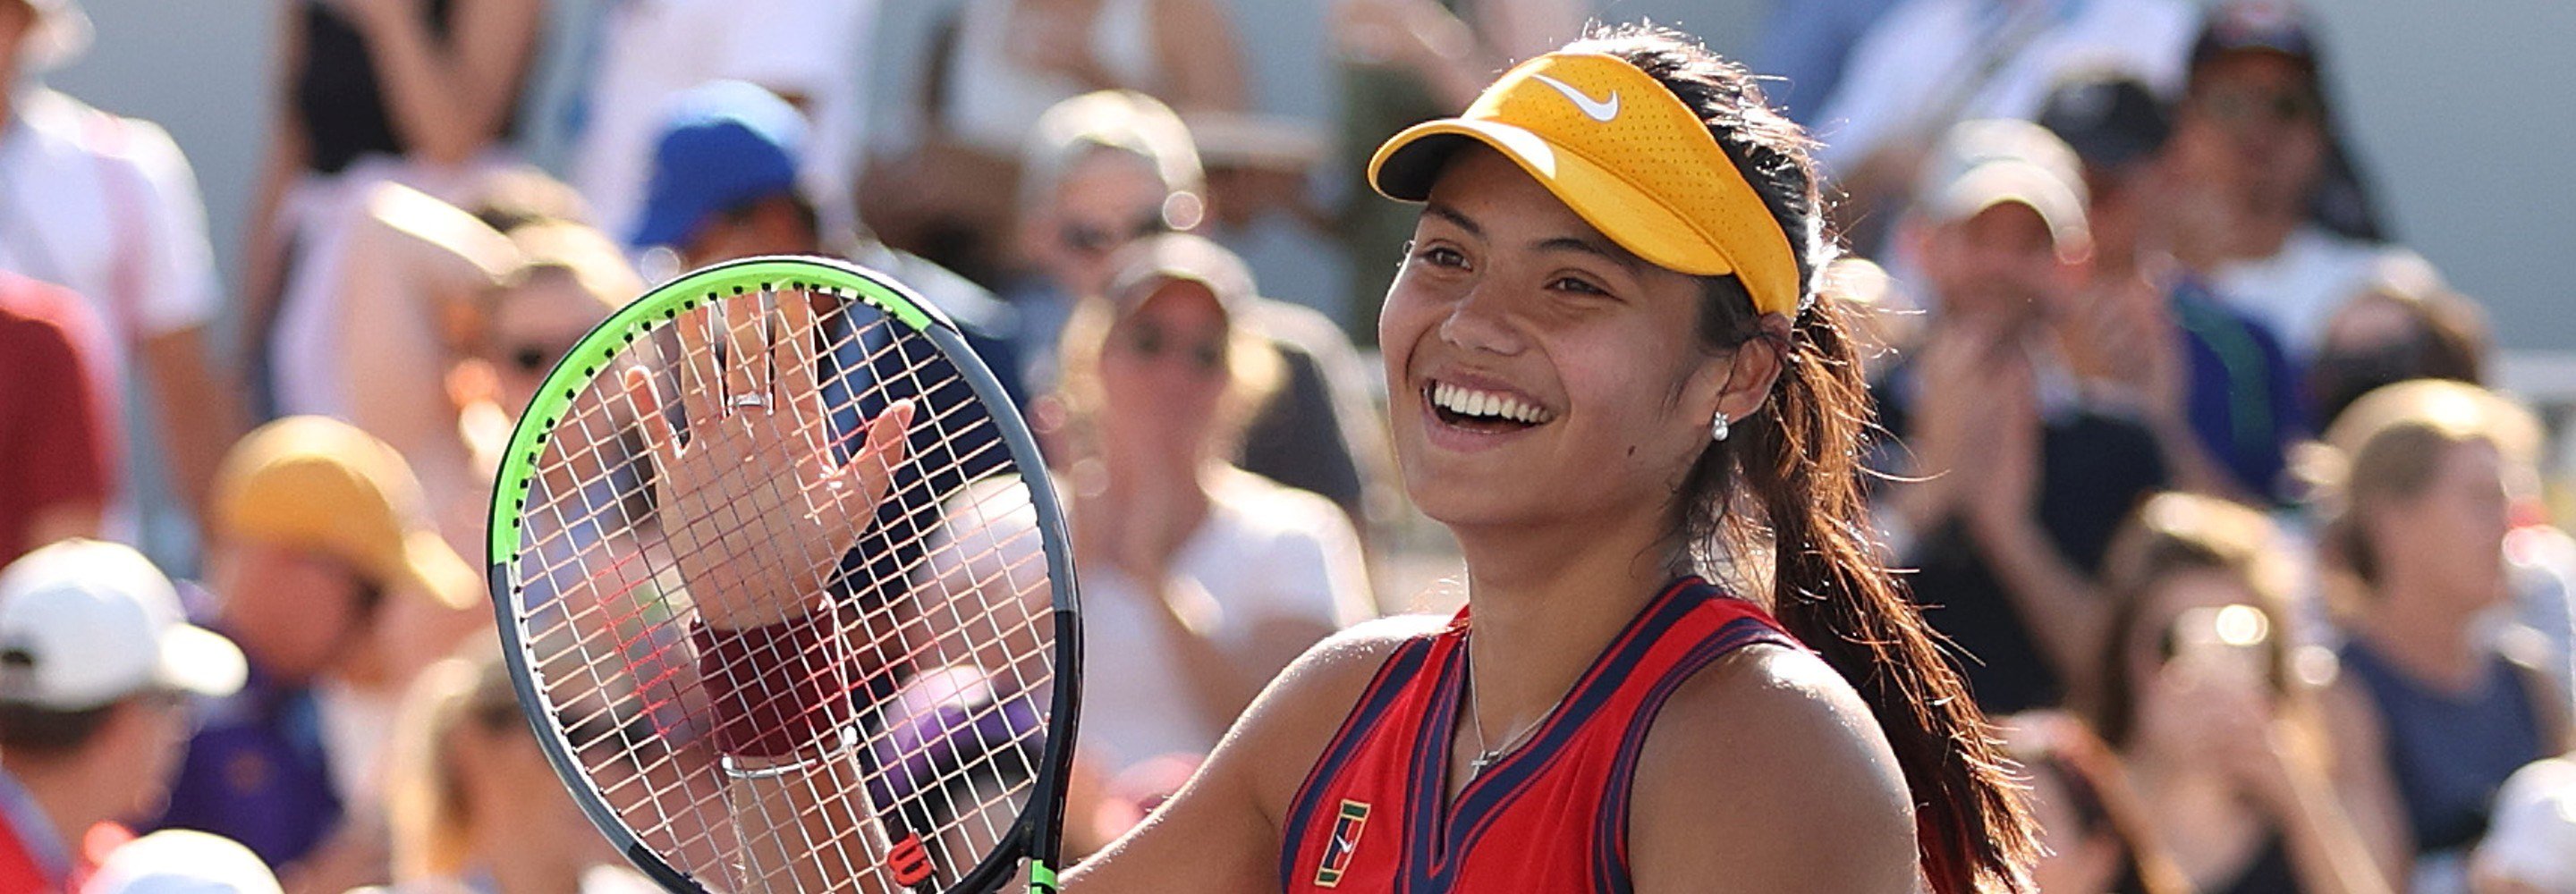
1627, 156
319, 484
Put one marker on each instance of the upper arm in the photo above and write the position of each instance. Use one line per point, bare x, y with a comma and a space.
494, 40
1221, 832
1754, 762
1202, 67
2363, 784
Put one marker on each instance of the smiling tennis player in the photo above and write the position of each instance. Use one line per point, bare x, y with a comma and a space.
1611, 377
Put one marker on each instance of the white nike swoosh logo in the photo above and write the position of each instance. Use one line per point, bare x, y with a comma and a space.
1343, 844
1601, 110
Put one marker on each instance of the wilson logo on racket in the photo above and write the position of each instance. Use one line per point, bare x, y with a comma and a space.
1346, 839
910, 861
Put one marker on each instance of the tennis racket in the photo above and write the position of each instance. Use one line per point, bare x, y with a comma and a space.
786, 593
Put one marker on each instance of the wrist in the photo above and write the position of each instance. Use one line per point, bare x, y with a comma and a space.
779, 689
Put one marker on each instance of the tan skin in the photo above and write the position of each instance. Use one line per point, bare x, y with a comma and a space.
446, 99
1977, 438
1162, 377
121, 773
2440, 566
2217, 764
2251, 144
1508, 288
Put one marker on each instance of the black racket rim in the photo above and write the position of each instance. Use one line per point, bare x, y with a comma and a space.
1037, 833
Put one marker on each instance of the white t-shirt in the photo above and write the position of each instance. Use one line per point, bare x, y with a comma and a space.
108, 207
1265, 552
654, 50
994, 99
1913, 62
2296, 290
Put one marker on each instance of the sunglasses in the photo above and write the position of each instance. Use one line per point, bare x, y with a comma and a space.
2241, 107
1091, 239
536, 358
1149, 342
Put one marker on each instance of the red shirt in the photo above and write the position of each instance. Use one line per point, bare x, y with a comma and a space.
1552, 815
57, 425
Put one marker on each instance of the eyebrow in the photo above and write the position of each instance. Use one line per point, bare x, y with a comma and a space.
1452, 215
1595, 246
1590, 243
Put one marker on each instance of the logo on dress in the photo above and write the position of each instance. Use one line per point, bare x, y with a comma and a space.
1346, 838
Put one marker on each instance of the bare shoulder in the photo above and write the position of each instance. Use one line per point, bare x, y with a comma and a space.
1766, 772
1221, 832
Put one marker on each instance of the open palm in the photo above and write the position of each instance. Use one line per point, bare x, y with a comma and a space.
757, 508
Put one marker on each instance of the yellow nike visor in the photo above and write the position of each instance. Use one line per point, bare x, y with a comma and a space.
1626, 155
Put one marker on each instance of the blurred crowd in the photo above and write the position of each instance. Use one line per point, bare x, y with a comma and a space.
2195, 465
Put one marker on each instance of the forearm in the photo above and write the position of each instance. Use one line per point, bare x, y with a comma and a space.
782, 715
1218, 680
443, 105
2326, 851
199, 410
2057, 602
2191, 464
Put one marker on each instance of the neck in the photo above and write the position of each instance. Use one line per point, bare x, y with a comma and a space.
1547, 601
517, 868
2261, 230
60, 793
2424, 633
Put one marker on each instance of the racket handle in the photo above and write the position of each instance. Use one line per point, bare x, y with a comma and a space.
776, 690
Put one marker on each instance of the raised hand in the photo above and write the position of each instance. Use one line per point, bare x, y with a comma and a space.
757, 510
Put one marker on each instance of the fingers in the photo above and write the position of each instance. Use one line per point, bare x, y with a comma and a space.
647, 404
746, 341
887, 448
701, 378
791, 348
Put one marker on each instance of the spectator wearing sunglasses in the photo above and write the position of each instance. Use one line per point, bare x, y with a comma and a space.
2274, 212
1107, 169
2235, 754
1200, 581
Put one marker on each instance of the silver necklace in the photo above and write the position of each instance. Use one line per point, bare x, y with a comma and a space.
1485, 757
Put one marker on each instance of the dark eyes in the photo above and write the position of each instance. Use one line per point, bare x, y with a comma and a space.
1577, 285
1441, 256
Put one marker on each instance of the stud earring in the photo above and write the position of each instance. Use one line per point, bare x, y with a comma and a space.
1717, 429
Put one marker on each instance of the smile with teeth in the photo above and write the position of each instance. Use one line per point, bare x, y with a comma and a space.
1485, 405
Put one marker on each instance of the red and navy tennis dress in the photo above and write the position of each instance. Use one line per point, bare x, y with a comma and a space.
1551, 815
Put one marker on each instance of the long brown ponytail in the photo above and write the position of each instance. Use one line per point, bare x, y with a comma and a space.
1798, 461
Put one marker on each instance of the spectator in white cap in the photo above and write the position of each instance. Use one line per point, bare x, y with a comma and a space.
182, 861
2531, 848
96, 658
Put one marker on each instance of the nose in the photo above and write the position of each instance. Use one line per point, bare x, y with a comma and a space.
1479, 322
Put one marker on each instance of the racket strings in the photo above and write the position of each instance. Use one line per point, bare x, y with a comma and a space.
948, 636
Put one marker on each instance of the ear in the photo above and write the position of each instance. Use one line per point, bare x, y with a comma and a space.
1746, 374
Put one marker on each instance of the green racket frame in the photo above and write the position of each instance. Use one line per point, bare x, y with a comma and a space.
1037, 834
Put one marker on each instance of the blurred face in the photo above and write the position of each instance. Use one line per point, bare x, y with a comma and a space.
2254, 120
1538, 372
145, 747
295, 614
1106, 200
1163, 373
2000, 264
2450, 538
509, 776
2122, 209
2174, 660
532, 327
